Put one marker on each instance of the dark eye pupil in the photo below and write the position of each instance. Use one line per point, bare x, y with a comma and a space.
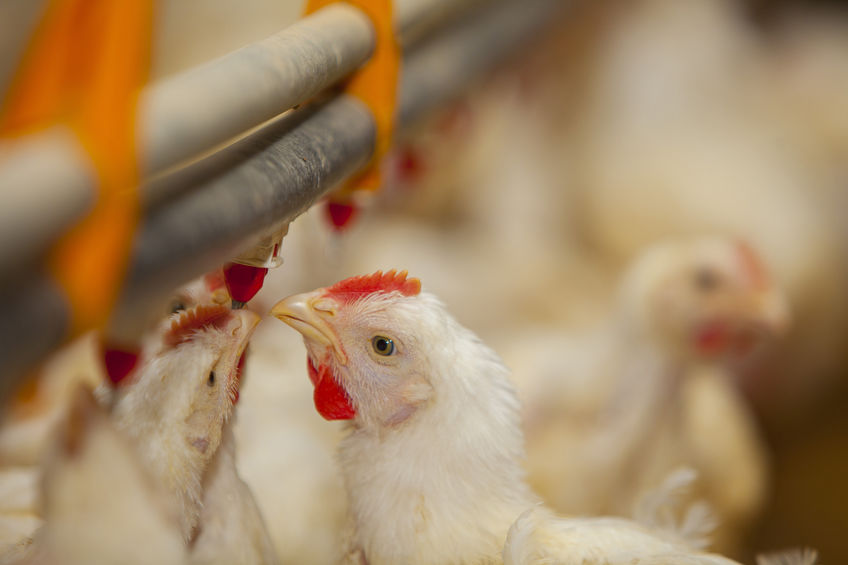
383, 345
706, 280
211, 381
177, 306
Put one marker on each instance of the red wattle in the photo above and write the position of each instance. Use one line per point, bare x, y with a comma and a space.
119, 363
340, 214
712, 338
331, 400
243, 281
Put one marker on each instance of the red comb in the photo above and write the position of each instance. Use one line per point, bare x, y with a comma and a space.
197, 318
391, 281
752, 265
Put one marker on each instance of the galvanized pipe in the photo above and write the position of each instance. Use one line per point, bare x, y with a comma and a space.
274, 176
227, 200
278, 172
203, 108
184, 116
209, 105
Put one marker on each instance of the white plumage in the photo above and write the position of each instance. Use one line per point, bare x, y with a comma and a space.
432, 462
99, 504
610, 412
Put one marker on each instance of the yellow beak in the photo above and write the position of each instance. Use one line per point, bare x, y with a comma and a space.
308, 313
247, 321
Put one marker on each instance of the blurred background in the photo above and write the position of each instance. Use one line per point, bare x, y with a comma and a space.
633, 122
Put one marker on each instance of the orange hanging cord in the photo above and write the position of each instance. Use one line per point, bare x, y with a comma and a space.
376, 85
84, 68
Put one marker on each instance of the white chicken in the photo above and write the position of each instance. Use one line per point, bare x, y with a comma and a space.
432, 461
537, 538
19, 513
712, 124
97, 500
176, 410
232, 529
35, 413
610, 413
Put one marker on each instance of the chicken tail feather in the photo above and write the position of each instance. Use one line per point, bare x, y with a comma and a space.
805, 556
664, 510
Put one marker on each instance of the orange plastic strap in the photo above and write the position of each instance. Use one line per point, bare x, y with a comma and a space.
375, 84
84, 68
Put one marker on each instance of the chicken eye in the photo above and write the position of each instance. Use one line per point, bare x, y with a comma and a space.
211, 380
177, 306
706, 280
383, 345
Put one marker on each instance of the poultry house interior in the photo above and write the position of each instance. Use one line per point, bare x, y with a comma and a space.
641, 214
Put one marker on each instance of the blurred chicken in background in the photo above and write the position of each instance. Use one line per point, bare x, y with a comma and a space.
27, 430
683, 120
610, 412
684, 117
98, 501
639, 122
29, 419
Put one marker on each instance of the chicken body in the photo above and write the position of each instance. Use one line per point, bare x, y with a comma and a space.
444, 487
180, 399
221, 519
29, 420
538, 538
231, 525
694, 146
432, 463
99, 504
19, 514
610, 413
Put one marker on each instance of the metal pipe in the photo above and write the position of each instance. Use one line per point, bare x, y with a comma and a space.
209, 105
34, 322
184, 116
416, 19
66, 193
232, 197
278, 172
268, 178
203, 108
445, 66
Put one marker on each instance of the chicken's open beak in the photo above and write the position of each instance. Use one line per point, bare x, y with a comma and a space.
300, 312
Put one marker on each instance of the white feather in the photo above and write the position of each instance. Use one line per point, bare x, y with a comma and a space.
666, 510
796, 556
